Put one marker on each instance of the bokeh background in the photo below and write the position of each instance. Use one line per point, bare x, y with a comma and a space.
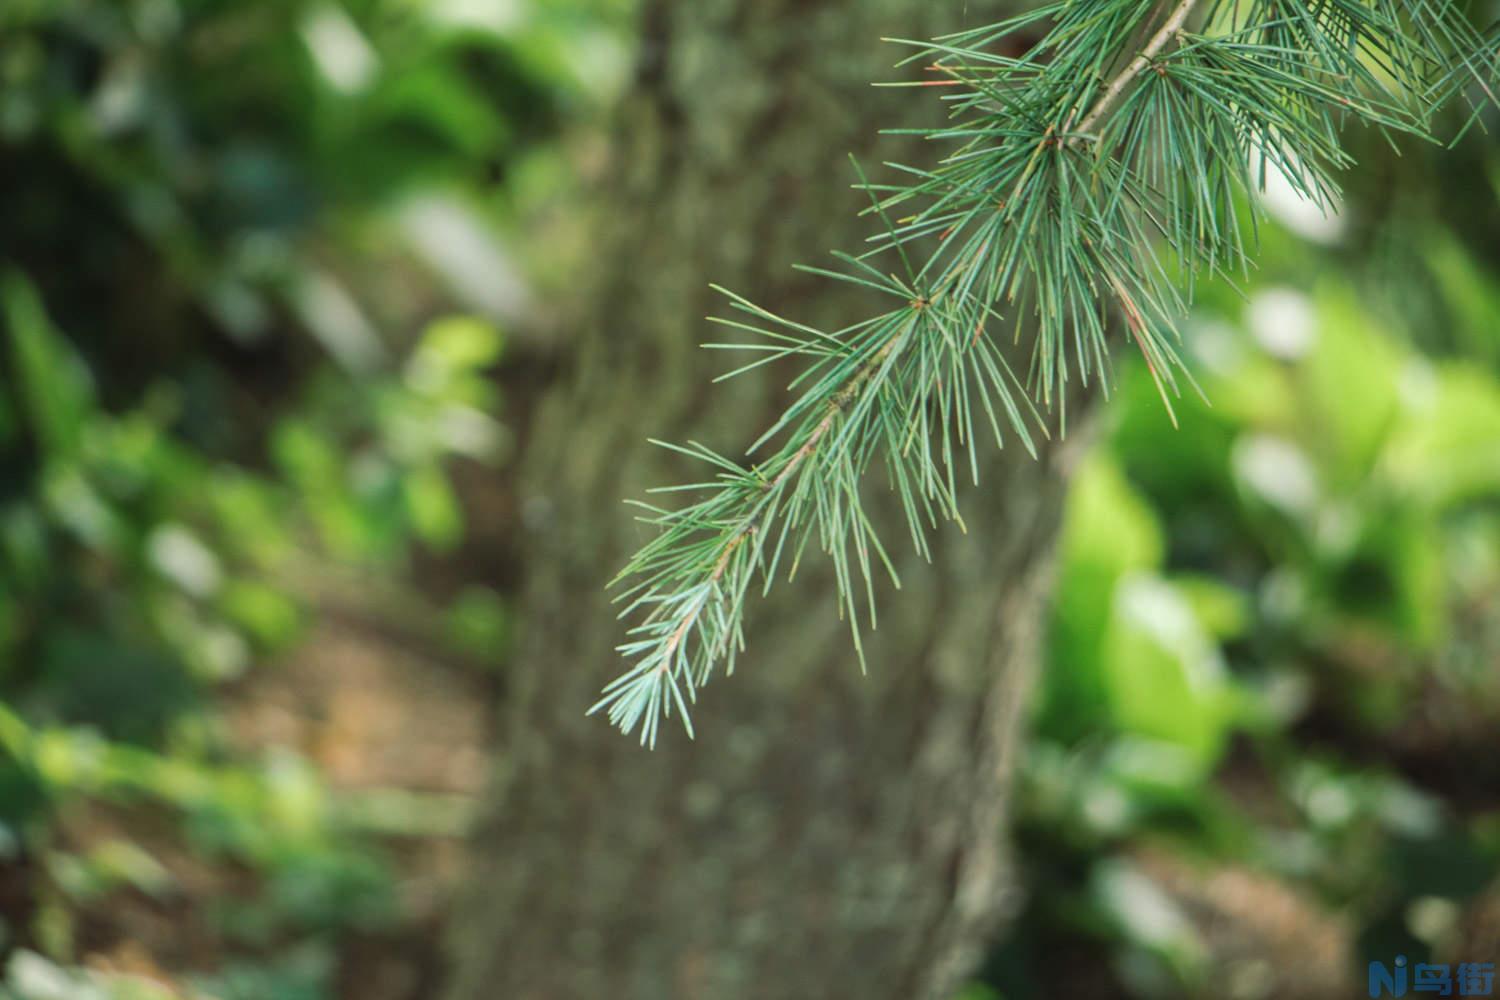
277, 282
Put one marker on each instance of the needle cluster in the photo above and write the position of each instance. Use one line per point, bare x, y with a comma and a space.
1086, 183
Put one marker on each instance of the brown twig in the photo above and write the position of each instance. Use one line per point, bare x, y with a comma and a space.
1169, 29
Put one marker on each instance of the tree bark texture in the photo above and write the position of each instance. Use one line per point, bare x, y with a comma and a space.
828, 834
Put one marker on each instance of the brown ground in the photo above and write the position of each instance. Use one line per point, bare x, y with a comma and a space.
374, 715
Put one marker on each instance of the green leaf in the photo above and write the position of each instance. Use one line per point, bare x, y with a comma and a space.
1108, 532
1351, 379
455, 344
433, 507
1447, 450
52, 382
1165, 676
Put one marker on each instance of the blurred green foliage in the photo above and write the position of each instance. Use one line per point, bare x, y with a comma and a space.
225, 360
139, 574
1274, 646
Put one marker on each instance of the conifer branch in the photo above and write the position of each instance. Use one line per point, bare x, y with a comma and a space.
1166, 33
1065, 227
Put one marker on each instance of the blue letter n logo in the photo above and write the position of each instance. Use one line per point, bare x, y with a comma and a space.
1385, 981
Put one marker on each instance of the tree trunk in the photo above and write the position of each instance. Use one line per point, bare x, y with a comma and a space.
829, 834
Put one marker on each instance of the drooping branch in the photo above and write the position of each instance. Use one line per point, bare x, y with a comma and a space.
1015, 217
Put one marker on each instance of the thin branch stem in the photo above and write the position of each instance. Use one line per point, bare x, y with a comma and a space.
1112, 93
837, 402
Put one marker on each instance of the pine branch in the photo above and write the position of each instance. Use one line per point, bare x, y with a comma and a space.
1067, 226
1166, 33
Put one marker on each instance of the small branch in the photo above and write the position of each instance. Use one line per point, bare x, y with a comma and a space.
836, 404
841, 398
1137, 66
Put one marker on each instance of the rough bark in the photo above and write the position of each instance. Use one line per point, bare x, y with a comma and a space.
828, 835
